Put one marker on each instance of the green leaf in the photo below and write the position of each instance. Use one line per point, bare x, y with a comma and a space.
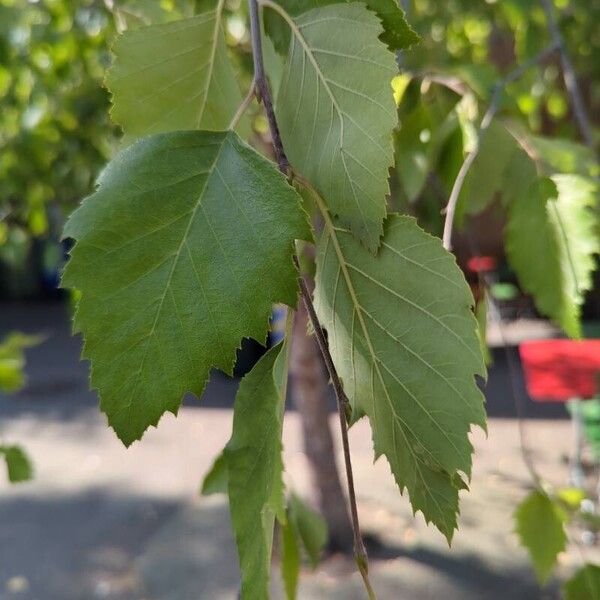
486, 178
412, 159
337, 127
174, 76
520, 174
16, 342
421, 139
216, 480
12, 359
584, 585
481, 312
407, 355
18, 465
255, 468
565, 156
137, 13
12, 374
303, 526
311, 528
273, 63
551, 240
180, 254
290, 557
539, 523
397, 33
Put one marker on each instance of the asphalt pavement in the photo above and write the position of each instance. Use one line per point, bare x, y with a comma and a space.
102, 521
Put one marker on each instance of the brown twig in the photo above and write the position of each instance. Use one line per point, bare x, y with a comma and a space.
488, 117
264, 93
360, 552
262, 87
570, 78
243, 106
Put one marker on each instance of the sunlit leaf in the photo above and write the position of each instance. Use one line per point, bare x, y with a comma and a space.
539, 523
564, 156
18, 465
174, 76
12, 359
551, 242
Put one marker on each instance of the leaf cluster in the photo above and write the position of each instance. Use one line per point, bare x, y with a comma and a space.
544, 189
541, 522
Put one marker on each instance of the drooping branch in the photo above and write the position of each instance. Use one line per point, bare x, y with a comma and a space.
570, 78
486, 121
262, 87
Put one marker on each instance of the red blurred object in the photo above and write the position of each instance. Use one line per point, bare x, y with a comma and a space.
481, 264
560, 370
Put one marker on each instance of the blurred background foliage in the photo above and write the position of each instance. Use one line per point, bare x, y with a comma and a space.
56, 134
467, 47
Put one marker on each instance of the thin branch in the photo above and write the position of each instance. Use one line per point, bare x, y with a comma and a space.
262, 86
360, 552
488, 117
243, 106
452, 82
570, 79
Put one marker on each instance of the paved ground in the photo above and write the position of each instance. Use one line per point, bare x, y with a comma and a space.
100, 521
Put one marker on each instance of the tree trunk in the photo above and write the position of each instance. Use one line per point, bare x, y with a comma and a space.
310, 395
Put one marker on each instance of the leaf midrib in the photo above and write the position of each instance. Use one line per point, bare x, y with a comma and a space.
307, 50
178, 253
357, 309
296, 30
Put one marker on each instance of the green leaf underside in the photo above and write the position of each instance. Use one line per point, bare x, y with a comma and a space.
255, 467
303, 527
584, 585
407, 354
180, 254
18, 465
310, 526
539, 523
487, 175
337, 126
551, 241
173, 76
290, 558
217, 478
397, 33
